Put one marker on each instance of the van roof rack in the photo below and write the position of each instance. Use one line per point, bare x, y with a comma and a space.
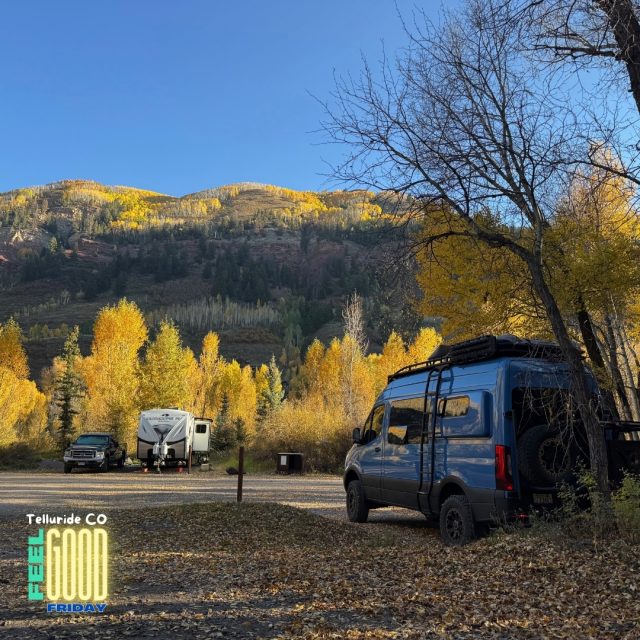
483, 348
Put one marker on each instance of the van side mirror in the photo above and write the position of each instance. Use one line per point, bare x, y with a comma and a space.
355, 435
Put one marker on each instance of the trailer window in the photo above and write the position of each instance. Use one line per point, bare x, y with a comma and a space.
201, 428
409, 413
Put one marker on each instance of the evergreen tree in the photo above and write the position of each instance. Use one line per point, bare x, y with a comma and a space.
68, 388
223, 436
272, 395
240, 431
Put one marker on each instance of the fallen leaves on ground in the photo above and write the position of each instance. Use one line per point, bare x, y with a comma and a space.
270, 571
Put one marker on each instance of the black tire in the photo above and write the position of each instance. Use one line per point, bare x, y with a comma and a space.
68, 467
121, 460
357, 507
104, 467
543, 460
456, 521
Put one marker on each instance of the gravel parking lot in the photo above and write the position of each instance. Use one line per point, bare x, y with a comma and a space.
22, 493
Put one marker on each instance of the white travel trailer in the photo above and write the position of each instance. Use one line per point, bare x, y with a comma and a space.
170, 437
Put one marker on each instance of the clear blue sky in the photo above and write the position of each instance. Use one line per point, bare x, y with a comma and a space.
178, 96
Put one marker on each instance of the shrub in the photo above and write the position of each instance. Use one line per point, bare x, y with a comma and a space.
586, 514
317, 430
626, 506
19, 456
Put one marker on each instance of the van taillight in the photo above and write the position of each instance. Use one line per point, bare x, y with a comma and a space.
504, 477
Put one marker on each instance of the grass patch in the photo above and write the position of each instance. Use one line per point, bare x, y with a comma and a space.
220, 462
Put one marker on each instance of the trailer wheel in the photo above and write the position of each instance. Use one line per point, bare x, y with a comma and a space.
543, 459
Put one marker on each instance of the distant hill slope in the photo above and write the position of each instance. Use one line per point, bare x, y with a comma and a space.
230, 258
89, 207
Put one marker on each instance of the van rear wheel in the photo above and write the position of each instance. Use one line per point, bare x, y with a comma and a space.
456, 521
357, 507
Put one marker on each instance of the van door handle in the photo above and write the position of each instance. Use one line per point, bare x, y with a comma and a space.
377, 449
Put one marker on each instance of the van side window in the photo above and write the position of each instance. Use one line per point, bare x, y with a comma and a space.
373, 426
407, 413
454, 407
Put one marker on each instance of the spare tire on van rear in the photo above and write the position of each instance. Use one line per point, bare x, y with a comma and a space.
544, 458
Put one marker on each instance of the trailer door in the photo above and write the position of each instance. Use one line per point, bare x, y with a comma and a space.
201, 436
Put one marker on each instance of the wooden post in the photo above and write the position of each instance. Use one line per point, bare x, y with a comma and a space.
240, 471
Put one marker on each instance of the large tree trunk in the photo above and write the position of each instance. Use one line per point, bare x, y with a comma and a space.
595, 355
624, 348
616, 373
579, 378
626, 30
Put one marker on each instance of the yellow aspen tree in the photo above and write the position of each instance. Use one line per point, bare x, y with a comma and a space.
309, 371
112, 371
327, 383
208, 376
18, 398
12, 353
165, 371
393, 357
423, 345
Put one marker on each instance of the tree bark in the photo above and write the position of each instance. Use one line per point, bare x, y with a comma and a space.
626, 31
580, 381
615, 369
595, 355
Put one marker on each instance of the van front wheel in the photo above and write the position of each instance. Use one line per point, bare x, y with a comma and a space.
357, 507
456, 521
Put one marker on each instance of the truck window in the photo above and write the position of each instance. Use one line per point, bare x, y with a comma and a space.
373, 426
408, 413
454, 407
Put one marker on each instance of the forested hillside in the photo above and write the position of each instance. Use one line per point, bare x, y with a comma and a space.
267, 267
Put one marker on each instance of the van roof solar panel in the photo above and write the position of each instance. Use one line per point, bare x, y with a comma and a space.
483, 348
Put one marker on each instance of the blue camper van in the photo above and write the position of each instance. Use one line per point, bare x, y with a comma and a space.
475, 435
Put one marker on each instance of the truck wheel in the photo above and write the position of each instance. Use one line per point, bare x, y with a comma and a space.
104, 467
456, 521
67, 467
543, 459
121, 460
357, 507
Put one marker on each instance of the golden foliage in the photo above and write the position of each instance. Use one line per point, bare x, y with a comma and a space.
166, 371
12, 353
112, 371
